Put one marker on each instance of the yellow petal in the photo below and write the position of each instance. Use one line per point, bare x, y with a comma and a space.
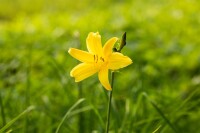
83, 71
103, 78
93, 42
118, 60
108, 47
81, 55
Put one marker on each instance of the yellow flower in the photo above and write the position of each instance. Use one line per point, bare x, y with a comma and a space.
98, 59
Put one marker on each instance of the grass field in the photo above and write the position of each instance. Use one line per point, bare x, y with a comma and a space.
158, 93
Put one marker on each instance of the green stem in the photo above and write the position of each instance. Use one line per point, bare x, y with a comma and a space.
81, 116
109, 103
28, 85
122, 44
2, 111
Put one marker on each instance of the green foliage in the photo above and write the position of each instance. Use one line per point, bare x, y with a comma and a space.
162, 40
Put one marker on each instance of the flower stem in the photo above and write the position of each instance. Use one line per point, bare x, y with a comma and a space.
109, 103
122, 44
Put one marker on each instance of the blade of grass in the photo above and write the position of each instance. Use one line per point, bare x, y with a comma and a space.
134, 113
68, 113
30, 108
157, 129
9, 131
145, 121
187, 99
83, 109
127, 113
98, 115
161, 113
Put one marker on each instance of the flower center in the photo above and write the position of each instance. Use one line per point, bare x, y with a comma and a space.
99, 61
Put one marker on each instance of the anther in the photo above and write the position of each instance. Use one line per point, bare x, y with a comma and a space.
97, 58
101, 58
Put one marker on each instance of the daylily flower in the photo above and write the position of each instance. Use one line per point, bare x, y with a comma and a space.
98, 59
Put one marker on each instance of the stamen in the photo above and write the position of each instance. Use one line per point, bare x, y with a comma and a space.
101, 58
97, 59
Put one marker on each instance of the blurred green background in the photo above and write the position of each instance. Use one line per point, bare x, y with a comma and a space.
158, 93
